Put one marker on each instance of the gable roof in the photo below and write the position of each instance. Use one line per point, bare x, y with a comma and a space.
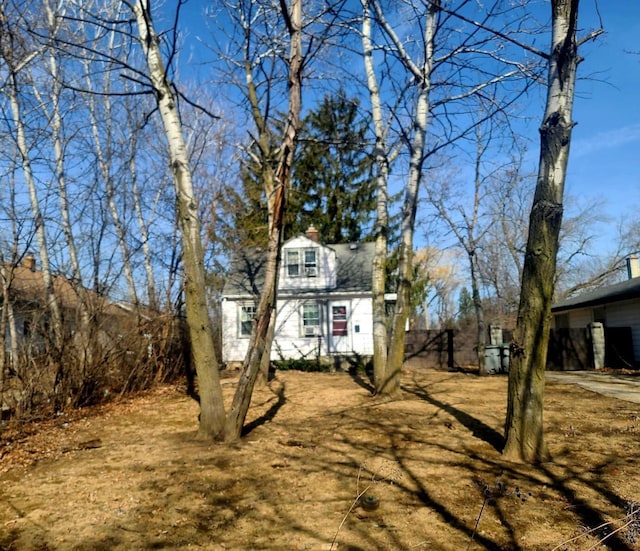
26, 284
27, 287
625, 290
354, 265
246, 274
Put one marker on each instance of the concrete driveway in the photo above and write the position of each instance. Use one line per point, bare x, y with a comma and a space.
623, 387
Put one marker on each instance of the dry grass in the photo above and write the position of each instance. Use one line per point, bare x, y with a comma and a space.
316, 441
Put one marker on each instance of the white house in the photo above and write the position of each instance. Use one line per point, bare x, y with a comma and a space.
324, 306
616, 307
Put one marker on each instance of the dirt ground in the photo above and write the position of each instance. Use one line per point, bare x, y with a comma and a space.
131, 475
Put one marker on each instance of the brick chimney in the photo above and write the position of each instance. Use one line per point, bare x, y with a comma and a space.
312, 233
29, 262
633, 267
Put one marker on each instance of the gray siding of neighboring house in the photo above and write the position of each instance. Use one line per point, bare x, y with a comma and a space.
625, 313
577, 318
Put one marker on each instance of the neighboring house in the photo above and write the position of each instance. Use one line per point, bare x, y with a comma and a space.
26, 318
616, 307
24, 288
324, 306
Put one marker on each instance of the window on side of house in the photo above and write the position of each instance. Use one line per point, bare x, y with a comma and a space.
247, 314
301, 262
293, 263
310, 319
310, 263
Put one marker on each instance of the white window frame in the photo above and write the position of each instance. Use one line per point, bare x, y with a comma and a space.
291, 255
310, 324
244, 319
301, 262
310, 265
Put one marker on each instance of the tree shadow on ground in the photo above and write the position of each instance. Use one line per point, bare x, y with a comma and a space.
590, 517
396, 444
479, 429
294, 486
361, 372
601, 526
270, 414
450, 517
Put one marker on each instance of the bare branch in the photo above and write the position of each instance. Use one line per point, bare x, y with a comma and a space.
499, 34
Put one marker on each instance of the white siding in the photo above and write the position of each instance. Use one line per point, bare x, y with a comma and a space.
362, 319
290, 342
326, 276
234, 347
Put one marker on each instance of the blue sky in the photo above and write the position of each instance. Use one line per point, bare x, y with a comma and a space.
605, 154
605, 151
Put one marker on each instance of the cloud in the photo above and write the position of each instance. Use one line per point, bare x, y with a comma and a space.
608, 139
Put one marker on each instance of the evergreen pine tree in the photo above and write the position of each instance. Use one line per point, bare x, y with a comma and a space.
332, 187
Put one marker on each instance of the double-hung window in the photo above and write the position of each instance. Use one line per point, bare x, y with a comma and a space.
302, 263
247, 314
293, 263
310, 263
310, 319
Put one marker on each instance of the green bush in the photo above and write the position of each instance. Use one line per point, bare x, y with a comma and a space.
301, 364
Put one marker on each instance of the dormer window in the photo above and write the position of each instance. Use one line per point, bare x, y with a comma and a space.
302, 263
310, 263
293, 263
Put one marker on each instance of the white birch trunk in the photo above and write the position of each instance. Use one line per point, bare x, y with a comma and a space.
4, 318
401, 314
58, 149
143, 228
51, 301
278, 191
212, 414
380, 334
105, 135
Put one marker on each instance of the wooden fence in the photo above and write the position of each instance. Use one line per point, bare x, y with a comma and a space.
569, 349
450, 349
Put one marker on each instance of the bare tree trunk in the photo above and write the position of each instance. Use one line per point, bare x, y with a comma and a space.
378, 286
391, 384
13, 335
388, 360
524, 423
212, 414
481, 333
472, 253
83, 340
258, 342
4, 319
265, 362
7, 323
51, 300
7, 274
103, 141
143, 225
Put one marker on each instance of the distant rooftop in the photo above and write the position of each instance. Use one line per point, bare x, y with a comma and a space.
625, 290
